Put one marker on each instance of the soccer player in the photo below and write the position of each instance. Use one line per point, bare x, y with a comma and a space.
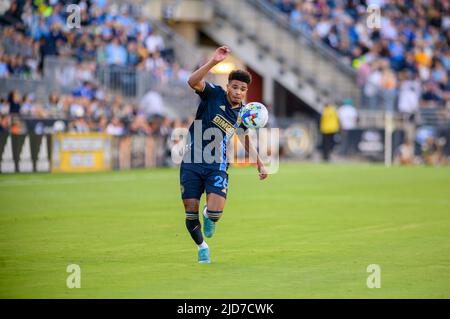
217, 113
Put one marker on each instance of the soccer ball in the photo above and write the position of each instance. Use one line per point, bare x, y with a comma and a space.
254, 115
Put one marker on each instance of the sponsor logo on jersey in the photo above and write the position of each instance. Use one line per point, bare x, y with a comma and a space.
223, 124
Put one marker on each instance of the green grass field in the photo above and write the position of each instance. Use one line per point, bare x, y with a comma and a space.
309, 231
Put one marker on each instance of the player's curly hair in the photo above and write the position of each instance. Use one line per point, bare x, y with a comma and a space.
240, 75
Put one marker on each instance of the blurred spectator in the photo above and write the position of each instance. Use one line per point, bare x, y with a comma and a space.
115, 53
115, 128
126, 113
87, 90
140, 126
155, 64
348, 117
409, 93
101, 124
100, 56
372, 86
18, 67
132, 54
388, 86
430, 95
178, 73
405, 155
12, 16
286, 6
17, 126
152, 104
4, 106
142, 27
14, 102
85, 73
439, 75
329, 126
430, 151
4, 123
53, 107
79, 125
28, 108
4, 70
154, 42
76, 107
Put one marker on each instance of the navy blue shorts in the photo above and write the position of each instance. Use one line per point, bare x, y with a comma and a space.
195, 179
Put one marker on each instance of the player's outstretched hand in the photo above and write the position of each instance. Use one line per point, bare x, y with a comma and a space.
221, 54
262, 172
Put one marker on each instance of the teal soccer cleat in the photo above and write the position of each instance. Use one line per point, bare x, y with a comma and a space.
209, 227
203, 256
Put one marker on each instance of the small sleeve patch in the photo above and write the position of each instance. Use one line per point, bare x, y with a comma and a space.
208, 91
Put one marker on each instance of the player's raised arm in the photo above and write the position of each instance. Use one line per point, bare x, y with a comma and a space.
197, 79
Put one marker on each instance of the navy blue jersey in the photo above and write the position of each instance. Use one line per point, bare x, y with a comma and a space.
219, 122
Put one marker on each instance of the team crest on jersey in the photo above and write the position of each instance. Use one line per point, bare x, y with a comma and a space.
239, 121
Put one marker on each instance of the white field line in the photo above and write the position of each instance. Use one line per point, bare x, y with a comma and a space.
7, 181
80, 180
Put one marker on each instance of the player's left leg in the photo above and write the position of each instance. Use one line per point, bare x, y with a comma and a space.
192, 188
212, 212
216, 186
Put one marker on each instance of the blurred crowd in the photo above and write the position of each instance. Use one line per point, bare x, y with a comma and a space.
86, 113
403, 64
431, 152
109, 35
338, 127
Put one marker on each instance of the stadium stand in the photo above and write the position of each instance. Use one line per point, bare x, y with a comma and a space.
403, 65
99, 68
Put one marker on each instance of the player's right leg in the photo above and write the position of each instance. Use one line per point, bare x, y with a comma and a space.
195, 229
192, 188
216, 186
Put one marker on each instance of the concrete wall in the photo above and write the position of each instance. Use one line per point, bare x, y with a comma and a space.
180, 11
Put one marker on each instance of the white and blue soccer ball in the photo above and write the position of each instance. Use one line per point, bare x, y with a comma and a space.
254, 115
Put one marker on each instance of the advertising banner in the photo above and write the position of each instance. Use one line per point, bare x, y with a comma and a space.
24, 153
81, 152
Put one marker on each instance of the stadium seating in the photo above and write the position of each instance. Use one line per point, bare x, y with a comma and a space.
415, 50
116, 55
